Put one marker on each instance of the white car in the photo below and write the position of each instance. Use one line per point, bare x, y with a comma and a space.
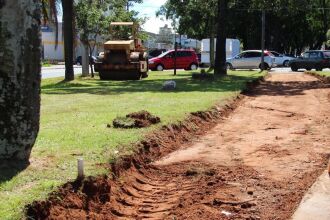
251, 59
281, 59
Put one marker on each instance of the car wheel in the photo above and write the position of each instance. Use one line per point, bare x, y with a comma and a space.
193, 66
294, 68
159, 67
229, 66
266, 67
286, 63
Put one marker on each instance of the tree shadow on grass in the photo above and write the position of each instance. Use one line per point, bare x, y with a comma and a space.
185, 83
9, 169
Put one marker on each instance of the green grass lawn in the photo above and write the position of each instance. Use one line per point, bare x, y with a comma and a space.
74, 118
324, 73
46, 64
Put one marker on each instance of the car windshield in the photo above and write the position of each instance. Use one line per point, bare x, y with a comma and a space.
164, 54
275, 54
327, 54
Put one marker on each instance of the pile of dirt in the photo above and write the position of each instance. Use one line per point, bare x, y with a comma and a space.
74, 197
139, 119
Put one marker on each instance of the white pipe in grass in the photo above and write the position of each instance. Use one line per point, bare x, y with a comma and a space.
80, 168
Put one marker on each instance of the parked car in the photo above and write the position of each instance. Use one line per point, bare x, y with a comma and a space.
92, 60
185, 59
313, 59
251, 59
281, 59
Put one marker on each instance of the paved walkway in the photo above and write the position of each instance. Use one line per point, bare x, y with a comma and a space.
316, 203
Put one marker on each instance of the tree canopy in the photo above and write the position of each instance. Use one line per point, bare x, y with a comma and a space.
291, 25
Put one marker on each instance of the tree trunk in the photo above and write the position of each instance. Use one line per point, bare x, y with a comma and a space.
67, 6
91, 50
85, 61
20, 67
212, 52
220, 56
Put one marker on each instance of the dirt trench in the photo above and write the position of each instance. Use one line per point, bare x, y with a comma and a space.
254, 159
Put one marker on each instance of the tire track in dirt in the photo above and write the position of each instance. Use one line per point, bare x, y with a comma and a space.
256, 163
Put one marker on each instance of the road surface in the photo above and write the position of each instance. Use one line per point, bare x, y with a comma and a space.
57, 71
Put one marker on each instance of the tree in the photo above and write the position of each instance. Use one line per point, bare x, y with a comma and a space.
20, 68
328, 38
50, 13
220, 56
289, 23
129, 3
196, 18
68, 29
92, 23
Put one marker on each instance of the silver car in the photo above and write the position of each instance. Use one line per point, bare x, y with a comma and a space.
281, 59
251, 59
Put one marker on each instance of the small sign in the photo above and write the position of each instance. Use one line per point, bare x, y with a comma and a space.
46, 29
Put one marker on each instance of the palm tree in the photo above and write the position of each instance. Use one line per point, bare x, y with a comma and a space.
68, 29
20, 68
50, 12
220, 56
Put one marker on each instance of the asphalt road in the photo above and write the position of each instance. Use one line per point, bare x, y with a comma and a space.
59, 71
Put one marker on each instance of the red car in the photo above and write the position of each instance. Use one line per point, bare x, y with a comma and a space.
185, 59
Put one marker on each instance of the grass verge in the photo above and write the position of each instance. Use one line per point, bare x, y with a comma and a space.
74, 118
326, 74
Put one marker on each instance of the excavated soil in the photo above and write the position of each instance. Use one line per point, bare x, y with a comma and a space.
253, 159
139, 119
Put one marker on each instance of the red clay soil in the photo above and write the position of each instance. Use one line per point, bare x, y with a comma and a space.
139, 119
254, 159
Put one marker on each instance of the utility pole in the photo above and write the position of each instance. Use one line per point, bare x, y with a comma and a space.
175, 53
263, 21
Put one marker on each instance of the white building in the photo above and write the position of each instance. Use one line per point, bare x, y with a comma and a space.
56, 53
165, 39
189, 43
233, 47
48, 41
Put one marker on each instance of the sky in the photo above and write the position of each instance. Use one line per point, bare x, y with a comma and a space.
148, 9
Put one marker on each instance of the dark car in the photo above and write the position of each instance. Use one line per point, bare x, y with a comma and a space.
313, 59
92, 60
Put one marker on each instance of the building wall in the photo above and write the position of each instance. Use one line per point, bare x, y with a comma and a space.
56, 53
49, 48
165, 35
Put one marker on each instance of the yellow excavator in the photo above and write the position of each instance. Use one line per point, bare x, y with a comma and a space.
123, 59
